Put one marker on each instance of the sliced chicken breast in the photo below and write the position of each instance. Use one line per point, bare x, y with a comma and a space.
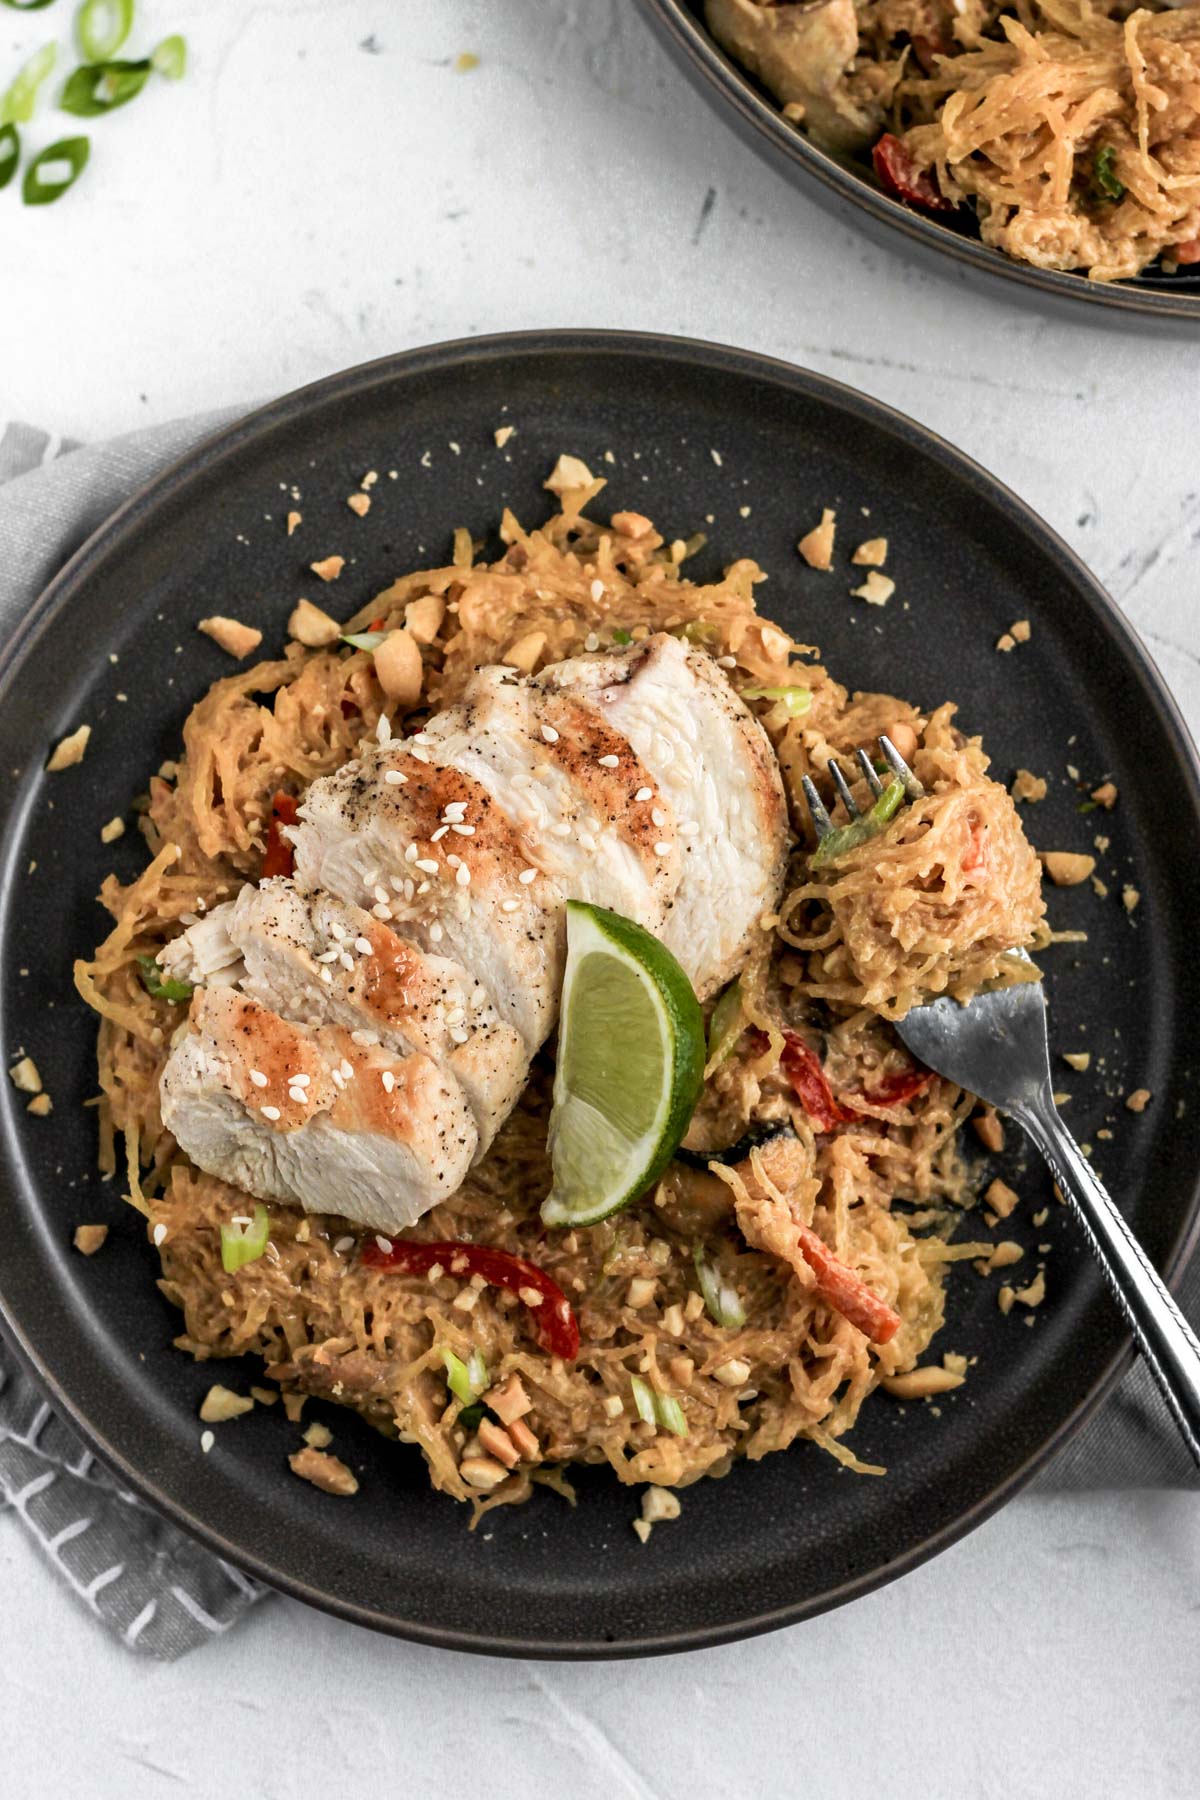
290, 1112
636, 780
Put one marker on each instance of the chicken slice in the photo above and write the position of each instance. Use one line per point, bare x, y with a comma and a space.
288, 1112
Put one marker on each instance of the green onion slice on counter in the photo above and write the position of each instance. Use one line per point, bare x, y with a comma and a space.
101, 27
160, 986
97, 88
848, 837
20, 98
170, 57
242, 1244
720, 1299
27, 5
10, 153
54, 170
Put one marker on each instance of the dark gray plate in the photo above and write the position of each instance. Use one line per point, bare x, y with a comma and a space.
778, 1540
836, 183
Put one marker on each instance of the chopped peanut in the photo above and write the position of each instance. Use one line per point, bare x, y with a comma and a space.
1020, 632
1067, 868
682, 1369
1078, 1059
659, 1503
1005, 1298
69, 751
1129, 897
235, 639
873, 553
496, 1441
359, 503
24, 1075
614, 1406
113, 830
1006, 642
641, 1291
399, 668
312, 627
482, 1472
903, 737
917, 1384
40, 1106
672, 1320
1105, 795
876, 590
502, 434
956, 1364
293, 1405
524, 651
329, 1473
318, 1436
568, 474
221, 1404
1001, 1198
734, 1373
989, 1130
816, 547
423, 617
643, 1530
525, 1441
1035, 1293
293, 522
1139, 1100
631, 524
264, 1396
1027, 786
329, 567
1005, 1254
509, 1401
89, 1238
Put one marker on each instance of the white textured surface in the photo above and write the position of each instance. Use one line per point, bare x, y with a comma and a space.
302, 203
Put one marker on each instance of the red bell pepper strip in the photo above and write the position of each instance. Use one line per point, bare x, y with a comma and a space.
896, 1089
899, 174
280, 858
1185, 253
555, 1325
847, 1292
803, 1069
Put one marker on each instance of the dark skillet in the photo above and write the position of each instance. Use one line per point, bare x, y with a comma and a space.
778, 1540
838, 183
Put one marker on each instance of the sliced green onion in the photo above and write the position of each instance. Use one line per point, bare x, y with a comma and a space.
160, 986
466, 1380
795, 700
696, 631
725, 1026
18, 102
643, 1399
848, 837
670, 1415
27, 5
101, 27
97, 88
621, 636
242, 1244
364, 640
10, 153
170, 57
471, 1416
722, 1301
54, 170
1109, 185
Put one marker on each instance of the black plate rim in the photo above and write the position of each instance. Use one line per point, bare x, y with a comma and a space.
732, 91
450, 358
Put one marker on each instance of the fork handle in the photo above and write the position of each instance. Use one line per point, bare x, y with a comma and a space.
1163, 1335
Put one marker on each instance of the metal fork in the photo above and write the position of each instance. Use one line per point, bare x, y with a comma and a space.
996, 1046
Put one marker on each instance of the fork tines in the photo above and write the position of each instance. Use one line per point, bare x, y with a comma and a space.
895, 762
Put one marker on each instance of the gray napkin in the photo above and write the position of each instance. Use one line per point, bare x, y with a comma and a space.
147, 1581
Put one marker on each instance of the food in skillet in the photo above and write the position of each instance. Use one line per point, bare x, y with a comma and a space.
1070, 127
604, 732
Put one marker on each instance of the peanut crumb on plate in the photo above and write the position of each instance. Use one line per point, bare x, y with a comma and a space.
234, 638
89, 1238
69, 751
816, 547
329, 1473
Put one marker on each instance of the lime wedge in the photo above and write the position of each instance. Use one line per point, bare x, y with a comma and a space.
630, 1066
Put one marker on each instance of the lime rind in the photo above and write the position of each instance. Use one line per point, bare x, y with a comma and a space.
630, 1067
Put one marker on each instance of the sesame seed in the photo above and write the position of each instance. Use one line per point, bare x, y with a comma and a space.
159, 1235
300, 1080
327, 977
549, 733
298, 1095
597, 589
454, 809
270, 1112
421, 756
526, 876
346, 961
343, 1244
410, 888
463, 830
609, 762
456, 1017
727, 662
688, 828
258, 1078
380, 893
422, 889
435, 933
337, 931
658, 816
380, 911
458, 1035
365, 1038
561, 830
394, 778
383, 731
421, 737
410, 854
396, 884
591, 641
428, 864
339, 1080
363, 946
662, 849
478, 996
207, 1440
509, 905
644, 793
385, 1244
388, 1080
435, 837
326, 956
463, 876
347, 1069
